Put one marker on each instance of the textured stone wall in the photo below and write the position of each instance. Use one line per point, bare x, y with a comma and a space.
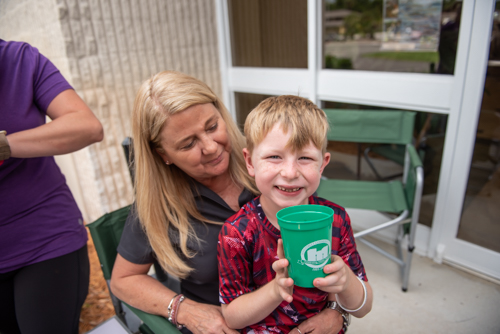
106, 49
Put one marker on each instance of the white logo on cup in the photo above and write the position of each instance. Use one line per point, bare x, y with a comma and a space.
316, 254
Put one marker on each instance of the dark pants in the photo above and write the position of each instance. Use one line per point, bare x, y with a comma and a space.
45, 297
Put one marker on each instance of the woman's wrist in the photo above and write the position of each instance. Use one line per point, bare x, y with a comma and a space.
183, 313
5, 150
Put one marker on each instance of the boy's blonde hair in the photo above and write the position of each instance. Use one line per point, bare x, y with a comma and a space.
303, 118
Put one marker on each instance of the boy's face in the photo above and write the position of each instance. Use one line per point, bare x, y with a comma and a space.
285, 178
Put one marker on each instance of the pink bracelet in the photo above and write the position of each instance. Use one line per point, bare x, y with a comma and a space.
172, 316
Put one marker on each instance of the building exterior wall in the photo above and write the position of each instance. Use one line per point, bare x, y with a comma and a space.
106, 49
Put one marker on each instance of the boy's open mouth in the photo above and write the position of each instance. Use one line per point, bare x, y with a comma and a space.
289, 190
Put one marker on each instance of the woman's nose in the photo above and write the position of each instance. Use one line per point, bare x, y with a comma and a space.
209, 146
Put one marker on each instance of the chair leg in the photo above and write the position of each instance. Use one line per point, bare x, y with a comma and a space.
399, 248
411, 248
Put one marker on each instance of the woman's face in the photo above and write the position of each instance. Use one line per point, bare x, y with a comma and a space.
196, 141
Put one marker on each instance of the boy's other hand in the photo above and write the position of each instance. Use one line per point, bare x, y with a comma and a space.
337, 278
283, 283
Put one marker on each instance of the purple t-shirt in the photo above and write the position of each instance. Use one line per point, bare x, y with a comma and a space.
39, 218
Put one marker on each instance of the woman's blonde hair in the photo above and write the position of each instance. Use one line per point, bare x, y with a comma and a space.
303, 118
164, 199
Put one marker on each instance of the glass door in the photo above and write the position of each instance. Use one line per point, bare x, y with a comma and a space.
470, 233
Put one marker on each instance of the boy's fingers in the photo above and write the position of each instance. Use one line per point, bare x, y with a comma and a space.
281, 252
285, 282
336, 265
288, 298
280, 265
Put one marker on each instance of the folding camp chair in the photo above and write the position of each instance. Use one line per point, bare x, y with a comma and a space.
106, 233
400, 198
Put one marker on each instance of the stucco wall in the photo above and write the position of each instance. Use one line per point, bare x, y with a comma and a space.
106, 48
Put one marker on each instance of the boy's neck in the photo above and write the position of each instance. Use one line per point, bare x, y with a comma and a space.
270, 210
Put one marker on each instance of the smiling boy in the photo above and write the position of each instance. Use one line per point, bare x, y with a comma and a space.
286, 153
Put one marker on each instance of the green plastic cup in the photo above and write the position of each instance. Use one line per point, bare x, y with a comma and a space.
306, 231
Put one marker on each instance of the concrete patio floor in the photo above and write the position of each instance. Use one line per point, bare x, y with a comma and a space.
440, 298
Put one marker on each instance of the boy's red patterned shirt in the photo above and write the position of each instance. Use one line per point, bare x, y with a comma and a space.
246, 250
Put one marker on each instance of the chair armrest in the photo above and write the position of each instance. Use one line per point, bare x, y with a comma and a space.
156, 323
415, 160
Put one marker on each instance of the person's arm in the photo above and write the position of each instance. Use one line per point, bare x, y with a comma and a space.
73, 127
343, 283
131, 284
252, 307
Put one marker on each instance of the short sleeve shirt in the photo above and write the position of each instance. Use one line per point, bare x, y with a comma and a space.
202, 285
248, 247
40, 219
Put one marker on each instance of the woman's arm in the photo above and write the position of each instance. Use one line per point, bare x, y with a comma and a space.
327, 321
131, 283
73, 127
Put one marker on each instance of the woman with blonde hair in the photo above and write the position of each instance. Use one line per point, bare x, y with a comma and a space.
190, 176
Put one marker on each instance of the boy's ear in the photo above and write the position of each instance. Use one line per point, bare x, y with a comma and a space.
248, 161
326, 161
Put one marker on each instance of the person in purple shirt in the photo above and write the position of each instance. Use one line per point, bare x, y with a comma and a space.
44, 265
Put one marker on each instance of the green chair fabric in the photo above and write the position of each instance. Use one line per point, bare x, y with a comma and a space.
370, 126
399, 197
369, 195
106, 233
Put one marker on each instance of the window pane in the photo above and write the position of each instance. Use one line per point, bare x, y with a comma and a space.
417, 36
245, 102
348, 160
479, 223
269, 33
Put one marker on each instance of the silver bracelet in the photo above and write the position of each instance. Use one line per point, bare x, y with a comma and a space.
169, 308
364, 298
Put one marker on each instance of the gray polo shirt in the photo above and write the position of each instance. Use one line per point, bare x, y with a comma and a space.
203, 283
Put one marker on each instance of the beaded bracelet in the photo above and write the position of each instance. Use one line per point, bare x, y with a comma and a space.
362, 304
175, 308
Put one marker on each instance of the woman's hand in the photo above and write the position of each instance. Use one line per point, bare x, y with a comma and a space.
326, 321
202, 318
338, 279
283, 283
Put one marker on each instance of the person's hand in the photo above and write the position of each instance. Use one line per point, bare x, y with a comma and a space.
338, 277
283, 283
326, 321
203, 318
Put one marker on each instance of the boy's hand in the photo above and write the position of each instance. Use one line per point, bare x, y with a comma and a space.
283, 283
338, 276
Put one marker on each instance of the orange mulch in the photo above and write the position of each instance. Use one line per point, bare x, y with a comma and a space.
97, 307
